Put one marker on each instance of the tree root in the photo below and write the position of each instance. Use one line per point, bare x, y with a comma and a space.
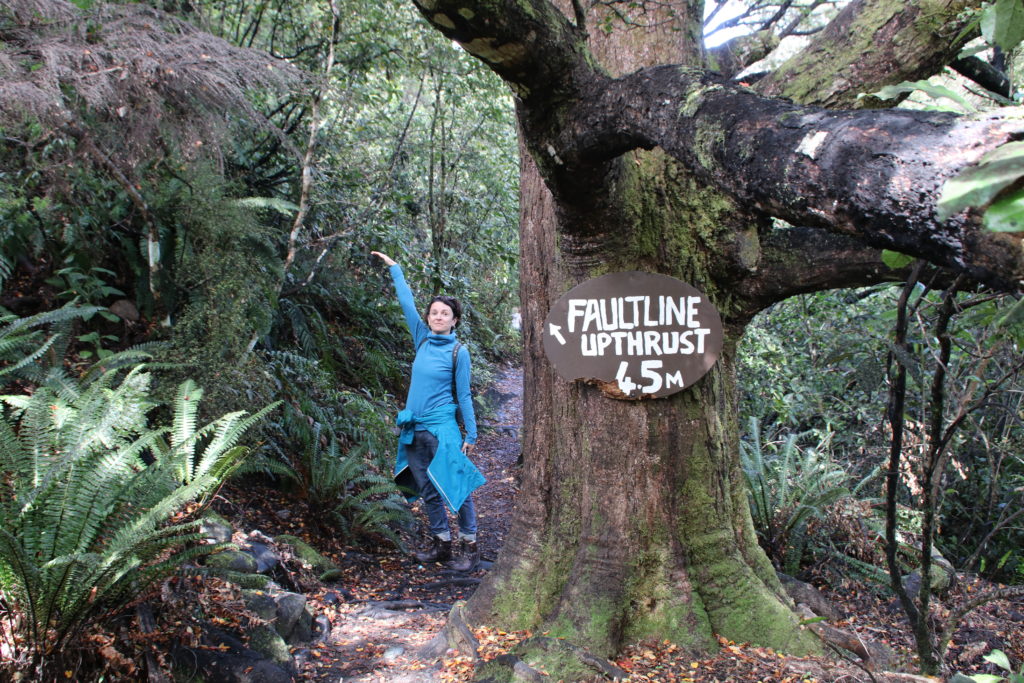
874, 656
456, 635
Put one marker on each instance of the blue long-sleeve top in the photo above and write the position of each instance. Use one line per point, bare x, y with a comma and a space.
431, 385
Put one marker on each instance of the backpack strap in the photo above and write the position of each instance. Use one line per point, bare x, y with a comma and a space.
455, 361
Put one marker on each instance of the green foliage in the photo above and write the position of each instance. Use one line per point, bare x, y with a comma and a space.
835, 380
90, 287
993, 185
25, 353
415, 154
1006, 214
335, 449
816, 362
1002, 23
932, 90
347, 486
788, 486
896, 260
365, 501
91, 496
219, 282
980, 184
999, 658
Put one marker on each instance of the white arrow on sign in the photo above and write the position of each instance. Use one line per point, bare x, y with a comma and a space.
555, 331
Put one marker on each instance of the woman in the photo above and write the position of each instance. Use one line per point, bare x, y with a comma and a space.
431, 451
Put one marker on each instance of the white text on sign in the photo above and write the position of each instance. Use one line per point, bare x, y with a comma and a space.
633, 334
615, 320
630, 312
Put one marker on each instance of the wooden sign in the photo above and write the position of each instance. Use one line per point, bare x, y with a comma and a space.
637, 335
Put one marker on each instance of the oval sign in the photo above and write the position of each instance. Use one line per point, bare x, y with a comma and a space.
637, 335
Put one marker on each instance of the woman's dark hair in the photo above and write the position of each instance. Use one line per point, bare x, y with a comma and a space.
449, 301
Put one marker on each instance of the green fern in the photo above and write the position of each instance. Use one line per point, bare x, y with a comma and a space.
347, 486
24, 347
788, 487
84, 520
333, 446
371, 504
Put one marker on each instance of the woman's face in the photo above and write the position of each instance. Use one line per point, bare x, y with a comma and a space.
440, 318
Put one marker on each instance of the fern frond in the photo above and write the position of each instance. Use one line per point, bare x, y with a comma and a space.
66, 313
129, 358
9, 345
183, 432
221, 454
26, 588
260, 463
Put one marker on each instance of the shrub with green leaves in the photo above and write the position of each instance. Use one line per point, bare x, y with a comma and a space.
90, 497
999, 658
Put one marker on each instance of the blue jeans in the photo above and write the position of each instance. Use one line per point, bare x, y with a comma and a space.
420, 453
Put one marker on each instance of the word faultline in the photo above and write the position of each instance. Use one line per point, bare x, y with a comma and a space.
631, 312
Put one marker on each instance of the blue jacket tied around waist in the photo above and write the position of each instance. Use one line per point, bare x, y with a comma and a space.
452, 473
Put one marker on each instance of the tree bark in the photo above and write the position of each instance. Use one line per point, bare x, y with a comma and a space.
872, 43
632, 521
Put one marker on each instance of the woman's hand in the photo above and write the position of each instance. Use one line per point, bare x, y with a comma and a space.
388, 261
467, 448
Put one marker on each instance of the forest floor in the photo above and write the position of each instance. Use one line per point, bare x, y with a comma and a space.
388, 605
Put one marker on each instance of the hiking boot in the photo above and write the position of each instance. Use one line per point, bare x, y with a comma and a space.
440, 551
469, 558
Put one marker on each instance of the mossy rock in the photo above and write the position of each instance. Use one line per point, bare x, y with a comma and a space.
307, 553
232, 560
269, 643
250, 581
216, 518
261, 604
507, 669
332, 575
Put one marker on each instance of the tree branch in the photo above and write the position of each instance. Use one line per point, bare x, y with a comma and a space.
873, 175
530, 44
984, 74
801, 260
872, 43
733, 56
307, 158
953, 620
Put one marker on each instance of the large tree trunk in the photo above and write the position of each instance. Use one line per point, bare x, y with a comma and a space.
632, 520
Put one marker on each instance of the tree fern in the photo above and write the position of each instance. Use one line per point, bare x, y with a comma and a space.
89, 488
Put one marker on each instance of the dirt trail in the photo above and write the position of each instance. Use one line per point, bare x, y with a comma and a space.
389, 605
